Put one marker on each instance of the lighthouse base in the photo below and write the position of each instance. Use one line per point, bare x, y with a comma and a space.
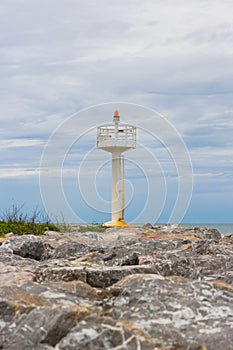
116, 223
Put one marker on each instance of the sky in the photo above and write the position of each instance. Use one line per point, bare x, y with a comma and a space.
65, 65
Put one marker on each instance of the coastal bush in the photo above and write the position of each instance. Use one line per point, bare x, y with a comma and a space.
16, 221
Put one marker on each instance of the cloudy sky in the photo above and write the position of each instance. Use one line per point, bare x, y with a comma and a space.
60, 57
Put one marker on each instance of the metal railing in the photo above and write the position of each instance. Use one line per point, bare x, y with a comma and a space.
124, 137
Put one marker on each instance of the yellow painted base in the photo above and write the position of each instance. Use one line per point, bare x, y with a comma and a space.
116, 223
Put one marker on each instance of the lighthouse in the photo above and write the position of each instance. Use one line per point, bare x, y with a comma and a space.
117, 138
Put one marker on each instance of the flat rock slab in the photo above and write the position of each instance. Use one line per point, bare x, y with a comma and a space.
99, 277
61, 274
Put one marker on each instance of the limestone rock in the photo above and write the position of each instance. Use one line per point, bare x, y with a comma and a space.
61, 274
104, 333
15, 275
8, 257
70, 249
98, 277
103, 277
43, 325
179, 312
212, 234
27, 246
151, 287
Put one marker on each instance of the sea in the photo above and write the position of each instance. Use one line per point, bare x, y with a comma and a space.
222, 228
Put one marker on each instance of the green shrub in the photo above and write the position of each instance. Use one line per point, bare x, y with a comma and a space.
16, 221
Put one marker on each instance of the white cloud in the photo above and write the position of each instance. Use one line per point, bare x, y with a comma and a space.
17, 143
8, 173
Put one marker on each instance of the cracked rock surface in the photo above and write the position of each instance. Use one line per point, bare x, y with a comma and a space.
148, 287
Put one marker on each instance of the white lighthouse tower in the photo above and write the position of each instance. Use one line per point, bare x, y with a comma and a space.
117, 138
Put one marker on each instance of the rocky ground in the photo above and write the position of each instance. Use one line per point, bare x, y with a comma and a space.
129, 288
